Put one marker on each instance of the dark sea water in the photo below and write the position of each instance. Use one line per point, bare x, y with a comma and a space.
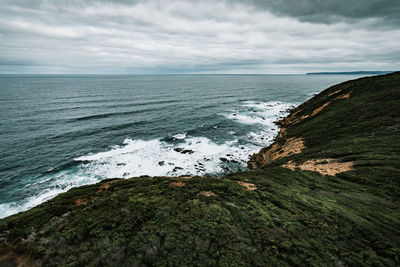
57, 132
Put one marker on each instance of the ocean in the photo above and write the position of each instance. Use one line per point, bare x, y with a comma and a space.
62, 131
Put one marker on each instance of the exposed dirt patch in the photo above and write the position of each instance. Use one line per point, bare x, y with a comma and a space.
207, 194
294, 118
248, 186
84, 200
317, 110
177, 184
334, 93
103, 187
323, 166
344, 96
292, 146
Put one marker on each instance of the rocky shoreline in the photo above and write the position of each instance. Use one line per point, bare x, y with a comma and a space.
324, 193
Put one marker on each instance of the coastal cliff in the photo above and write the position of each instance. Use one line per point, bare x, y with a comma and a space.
326, 192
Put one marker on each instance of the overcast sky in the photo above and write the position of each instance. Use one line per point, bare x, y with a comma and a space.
232, 36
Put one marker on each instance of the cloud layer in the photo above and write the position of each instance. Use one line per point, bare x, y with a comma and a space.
383, 12
160, 36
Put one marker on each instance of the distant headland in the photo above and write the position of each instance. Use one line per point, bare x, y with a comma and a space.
350, 73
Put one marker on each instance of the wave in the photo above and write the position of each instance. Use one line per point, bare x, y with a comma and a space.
128, 104
192, 156
120, 102
259, 113
178, 154
106, 115
92, 131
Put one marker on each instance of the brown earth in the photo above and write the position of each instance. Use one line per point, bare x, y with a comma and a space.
292, 146
323, 166
344, 96
207, 194
177, 184
84, 200
294, 118
248, 186
334, 93
103, 187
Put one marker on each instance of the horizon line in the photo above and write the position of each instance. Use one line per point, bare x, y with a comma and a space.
133, 74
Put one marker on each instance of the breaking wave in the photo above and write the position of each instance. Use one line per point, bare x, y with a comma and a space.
174, 155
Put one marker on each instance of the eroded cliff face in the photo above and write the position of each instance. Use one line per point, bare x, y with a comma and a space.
286, 145
290, 146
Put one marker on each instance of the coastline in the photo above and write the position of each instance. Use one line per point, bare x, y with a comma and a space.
292, 209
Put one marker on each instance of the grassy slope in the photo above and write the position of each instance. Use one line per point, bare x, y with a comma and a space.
297, 217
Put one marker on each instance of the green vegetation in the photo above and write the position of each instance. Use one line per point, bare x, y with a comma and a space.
291, 218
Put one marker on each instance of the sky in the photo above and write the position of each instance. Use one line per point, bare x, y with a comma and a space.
204, 36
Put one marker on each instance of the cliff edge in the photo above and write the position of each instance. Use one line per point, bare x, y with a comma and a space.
326, 192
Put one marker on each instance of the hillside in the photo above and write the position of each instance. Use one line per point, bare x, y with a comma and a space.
326, 192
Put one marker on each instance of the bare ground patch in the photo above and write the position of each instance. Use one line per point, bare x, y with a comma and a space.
248, 186
207, 194
177, 184
84, 200
344, 96
317, 110
294, 118
292, 146
103, 187
334, 93
323, 166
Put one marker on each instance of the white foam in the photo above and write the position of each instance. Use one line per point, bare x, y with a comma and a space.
133, 158
180, 136
258, 113
195, 156
249, 119
263, 114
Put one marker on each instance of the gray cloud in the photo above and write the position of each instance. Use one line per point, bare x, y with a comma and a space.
159, 36
323, 11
